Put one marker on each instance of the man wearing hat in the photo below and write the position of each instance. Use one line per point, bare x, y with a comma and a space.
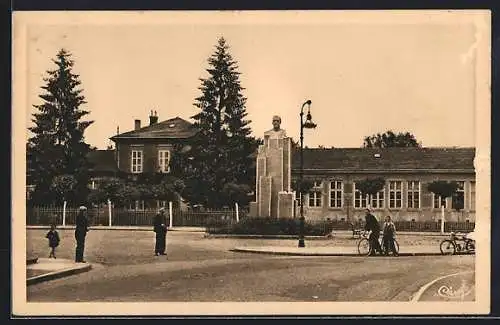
80, 233
160, 228
372, 225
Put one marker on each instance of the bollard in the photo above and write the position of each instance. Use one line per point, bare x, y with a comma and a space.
64, 214
442, 219
171, 217
109, 213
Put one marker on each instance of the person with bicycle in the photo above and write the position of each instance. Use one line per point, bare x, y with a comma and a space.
373, 227
388, 234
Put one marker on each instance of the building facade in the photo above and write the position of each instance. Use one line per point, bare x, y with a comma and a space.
145, 149
406, 171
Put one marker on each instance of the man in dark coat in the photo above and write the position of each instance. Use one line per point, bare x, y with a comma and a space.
373, 226
80, 233
160, 228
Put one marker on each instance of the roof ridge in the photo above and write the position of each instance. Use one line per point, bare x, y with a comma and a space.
391, 148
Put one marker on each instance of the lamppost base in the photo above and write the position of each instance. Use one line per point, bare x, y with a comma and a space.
302, 242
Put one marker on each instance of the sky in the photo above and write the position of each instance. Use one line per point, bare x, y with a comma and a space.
362, 75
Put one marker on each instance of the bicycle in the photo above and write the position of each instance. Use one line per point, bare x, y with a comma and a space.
365, 249
457, 243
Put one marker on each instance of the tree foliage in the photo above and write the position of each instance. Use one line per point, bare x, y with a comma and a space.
390, 139
305, 186
222, 151
444, 189
153, 186
63, 186
370, 186
57, 146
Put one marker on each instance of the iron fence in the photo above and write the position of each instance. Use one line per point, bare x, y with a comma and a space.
99, 216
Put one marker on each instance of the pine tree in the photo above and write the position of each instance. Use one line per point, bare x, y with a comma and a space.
57, 146
223, 147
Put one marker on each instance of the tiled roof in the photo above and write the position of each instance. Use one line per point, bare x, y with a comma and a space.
175, 128
102, 161
386, 159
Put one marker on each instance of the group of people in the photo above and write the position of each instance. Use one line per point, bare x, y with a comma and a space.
82, 227
160, 228
389, 233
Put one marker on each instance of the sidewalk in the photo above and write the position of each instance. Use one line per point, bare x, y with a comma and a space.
332, 251
132, 228
45, 269
336, 234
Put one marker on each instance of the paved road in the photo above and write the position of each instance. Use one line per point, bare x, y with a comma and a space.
200, 269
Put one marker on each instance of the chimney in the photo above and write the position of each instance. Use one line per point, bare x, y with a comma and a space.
137, 124
153, 118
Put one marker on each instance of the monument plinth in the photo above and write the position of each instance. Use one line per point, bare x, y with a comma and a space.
274, 197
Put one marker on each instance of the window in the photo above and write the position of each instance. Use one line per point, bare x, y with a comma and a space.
136, 166
336, 194
472, 199
359, 202
457, 201
395, 195
376, 201
298, 197
315, 195
161, 204
438, 201
413, 195
164, 161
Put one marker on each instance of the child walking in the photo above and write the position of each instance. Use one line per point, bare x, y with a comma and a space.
388, 236
53, 237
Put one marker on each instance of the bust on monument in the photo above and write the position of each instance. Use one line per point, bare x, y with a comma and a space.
276, 132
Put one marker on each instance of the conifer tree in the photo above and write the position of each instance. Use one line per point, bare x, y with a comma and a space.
57, 146
223, 148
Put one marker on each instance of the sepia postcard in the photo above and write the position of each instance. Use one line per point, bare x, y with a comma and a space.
233, 163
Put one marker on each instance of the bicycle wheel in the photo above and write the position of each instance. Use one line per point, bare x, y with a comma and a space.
470, 246
364, 247
447, 247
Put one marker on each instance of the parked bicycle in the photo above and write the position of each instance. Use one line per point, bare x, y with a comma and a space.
458, 243
365, 249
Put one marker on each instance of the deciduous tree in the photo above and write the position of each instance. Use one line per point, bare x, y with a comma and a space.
390, 139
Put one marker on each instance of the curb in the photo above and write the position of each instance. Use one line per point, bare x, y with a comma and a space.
253, 251
30, 261
118, 228
57, 274
346, 235
266, 236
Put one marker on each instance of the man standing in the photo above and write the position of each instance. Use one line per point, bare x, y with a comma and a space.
80, 233
160, 228
373, 226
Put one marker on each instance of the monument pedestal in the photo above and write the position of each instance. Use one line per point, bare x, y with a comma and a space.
274, 197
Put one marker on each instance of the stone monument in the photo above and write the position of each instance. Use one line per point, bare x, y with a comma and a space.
274, 197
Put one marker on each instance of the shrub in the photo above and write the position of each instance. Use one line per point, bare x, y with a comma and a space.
269, 226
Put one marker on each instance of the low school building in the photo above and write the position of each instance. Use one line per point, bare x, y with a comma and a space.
407, 172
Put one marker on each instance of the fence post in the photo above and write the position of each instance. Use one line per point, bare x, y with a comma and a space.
171, 216
442, 219
237, 212
109, 212
64, 214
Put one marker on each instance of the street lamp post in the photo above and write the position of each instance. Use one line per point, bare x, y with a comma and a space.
307, 124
